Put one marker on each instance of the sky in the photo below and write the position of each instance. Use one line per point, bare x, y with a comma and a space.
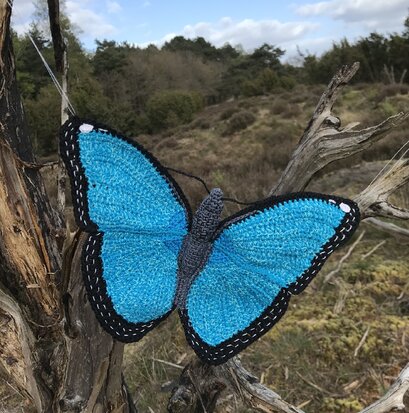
309, 25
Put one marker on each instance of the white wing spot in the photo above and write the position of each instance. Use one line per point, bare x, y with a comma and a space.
345, 207
86, 128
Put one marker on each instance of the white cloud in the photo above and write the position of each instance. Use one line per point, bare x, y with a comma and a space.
91, 24
316, 46
249, 33
113, 7
21, 14
372, 14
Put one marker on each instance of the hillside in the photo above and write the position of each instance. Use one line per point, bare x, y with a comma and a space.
341, 343
314, 356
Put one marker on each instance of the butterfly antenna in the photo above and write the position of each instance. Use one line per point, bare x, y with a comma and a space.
190, 176
206, 187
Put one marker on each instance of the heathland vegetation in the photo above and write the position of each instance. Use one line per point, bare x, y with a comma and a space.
149, 90
234, 118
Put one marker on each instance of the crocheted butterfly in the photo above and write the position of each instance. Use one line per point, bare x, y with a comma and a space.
146, 255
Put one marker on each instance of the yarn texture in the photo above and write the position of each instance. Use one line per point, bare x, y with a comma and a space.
146, 255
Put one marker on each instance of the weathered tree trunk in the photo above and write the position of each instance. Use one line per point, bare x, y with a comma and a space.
50, 342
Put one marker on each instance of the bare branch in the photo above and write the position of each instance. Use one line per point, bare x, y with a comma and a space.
373, 201
201, 385
388, 227
393, 399
361, 342
324, 108
344, 258
56, 34
369, 253
252, 392
322, 143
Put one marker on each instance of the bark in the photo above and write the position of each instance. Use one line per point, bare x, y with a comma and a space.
50, 343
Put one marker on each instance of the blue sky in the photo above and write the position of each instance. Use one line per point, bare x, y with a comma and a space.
311, 25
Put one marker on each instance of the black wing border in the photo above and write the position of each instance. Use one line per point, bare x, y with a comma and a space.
69, 152
219, 354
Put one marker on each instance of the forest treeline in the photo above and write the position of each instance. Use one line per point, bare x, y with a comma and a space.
146, 90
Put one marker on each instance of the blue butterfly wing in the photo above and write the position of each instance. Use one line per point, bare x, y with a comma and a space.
136, 216
260, 257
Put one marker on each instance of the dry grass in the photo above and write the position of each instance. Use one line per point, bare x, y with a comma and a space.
314, 344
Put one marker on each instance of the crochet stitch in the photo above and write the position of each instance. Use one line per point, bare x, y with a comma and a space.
145, 256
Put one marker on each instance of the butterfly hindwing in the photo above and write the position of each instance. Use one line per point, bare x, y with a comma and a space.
260, 257
136, 217
102, 295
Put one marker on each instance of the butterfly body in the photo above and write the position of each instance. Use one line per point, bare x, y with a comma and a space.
197, 244
145, 255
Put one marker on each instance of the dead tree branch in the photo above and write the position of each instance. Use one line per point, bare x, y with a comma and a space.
252, 392
373, 201
344, 258
56, 34
388, 227
393, 399
323, 142
17, 344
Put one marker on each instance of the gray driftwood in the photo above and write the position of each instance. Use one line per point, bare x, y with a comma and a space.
323, 141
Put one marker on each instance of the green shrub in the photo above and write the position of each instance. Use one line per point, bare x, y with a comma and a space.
43, 117
200, 123
391, 90
172, 108
291, 111
228, 113
252, 88
278, 106
287, 82
239, 121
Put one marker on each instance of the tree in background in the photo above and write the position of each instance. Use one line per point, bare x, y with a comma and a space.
118, 80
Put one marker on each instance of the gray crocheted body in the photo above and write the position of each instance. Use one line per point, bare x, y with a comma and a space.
197, 245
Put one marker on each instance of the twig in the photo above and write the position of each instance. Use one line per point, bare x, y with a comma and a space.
364, 256
361, 343
388, 227
344, 258
315, 386
393, 399
168, 363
